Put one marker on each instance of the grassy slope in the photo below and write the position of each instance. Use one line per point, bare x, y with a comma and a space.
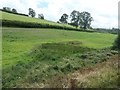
102, 75
14, 17
18, 41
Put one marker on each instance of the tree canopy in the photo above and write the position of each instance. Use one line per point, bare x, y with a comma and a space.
32, 12
85, 20
14, 10
82, 19
41, 16
64, 18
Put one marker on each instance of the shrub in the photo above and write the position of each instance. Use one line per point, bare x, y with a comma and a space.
10, 23
84, 56
116, 44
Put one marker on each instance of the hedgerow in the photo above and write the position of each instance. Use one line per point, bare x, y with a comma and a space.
22, 24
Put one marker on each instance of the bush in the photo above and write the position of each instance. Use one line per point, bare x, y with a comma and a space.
10, 23
116, 44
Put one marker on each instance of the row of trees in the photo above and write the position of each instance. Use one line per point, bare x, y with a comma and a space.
9, 9
77, 19
32, 14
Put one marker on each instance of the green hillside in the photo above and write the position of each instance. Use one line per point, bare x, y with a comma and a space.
45, 57
17, 41
32, 56
20, 18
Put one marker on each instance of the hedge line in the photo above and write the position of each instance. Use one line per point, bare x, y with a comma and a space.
11, 23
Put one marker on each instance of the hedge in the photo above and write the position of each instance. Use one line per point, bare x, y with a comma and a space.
11, 23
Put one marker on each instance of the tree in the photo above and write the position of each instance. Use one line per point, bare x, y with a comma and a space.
82, 19
85, 20
6, 8
32, 12
75, 18
41, 16
64, 18
14, 10
116, 44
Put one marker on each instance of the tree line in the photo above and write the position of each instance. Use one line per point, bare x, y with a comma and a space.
31, 12
77, 19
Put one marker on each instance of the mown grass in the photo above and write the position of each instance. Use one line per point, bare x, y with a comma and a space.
103, 75
50, 60
31, 56
18, 41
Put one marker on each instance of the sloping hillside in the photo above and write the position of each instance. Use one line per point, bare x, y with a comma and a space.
8, 18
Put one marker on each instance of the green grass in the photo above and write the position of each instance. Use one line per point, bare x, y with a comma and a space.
18, 41
61, 52
52, 59
14, 17
102, 75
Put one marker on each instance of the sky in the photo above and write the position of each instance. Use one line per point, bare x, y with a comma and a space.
104, 12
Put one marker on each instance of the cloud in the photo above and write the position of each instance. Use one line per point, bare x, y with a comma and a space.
104, 12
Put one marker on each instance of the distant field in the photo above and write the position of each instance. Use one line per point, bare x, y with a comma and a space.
31, 56
17, 41
14, 17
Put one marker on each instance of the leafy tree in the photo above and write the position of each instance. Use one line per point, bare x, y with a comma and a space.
64, 18
75, 18
82, 19
41, 16
32, 12
6, 8
14, 10
85, 20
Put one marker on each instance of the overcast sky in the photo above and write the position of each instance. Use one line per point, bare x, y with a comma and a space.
104, 12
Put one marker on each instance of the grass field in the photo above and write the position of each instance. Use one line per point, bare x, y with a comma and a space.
17, 41
32, 56
14, 17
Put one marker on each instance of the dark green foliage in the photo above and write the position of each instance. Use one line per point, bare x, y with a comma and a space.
14, 10
6, 8
52, 59
67, 68
116, 44
64, 18
32, 12
53, 51
74, 18
84, 56
41, 16
10, 23
85, 20
81, 19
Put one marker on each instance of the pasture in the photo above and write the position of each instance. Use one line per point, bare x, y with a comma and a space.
26, 19
17, 41
32, 56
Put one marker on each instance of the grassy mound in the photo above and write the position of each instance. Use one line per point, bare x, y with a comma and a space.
52, 59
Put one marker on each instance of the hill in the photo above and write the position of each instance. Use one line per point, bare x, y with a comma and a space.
33, 56
42, 57
9, 19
